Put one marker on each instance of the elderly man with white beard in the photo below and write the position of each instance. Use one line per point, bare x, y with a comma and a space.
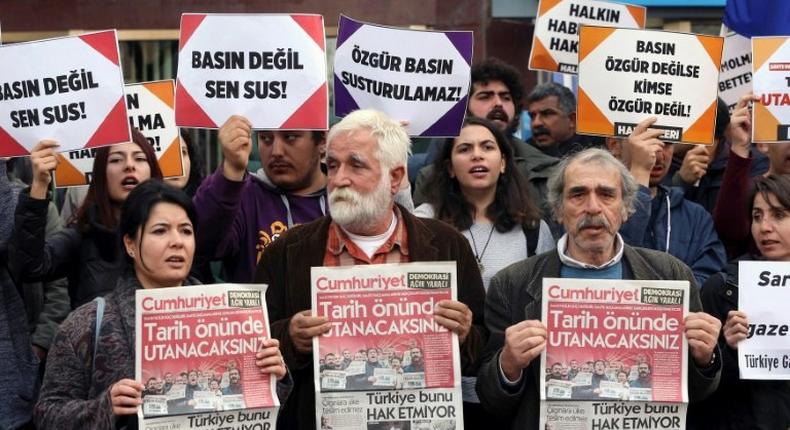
366, 159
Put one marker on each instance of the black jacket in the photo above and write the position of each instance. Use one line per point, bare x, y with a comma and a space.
515, 294
92, 260
737, 404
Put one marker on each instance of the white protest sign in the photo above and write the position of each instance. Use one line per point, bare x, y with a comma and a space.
414, 380
771, 82
555, 42
735, 79
268, 68
672, 76
68, 89
558, 389
155, 405
582, 379
204, 400
177, 391
613, 390
355, 368
232, 402
149, 107
384, 377
640, 394
333, 380
417, 76
764, 288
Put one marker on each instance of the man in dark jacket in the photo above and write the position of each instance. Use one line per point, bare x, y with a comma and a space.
665, 220
366, 380
366, 155
415, 364
592, 194
234, 382
552, 113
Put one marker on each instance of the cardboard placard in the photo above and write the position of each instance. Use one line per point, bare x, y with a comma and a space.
771, 83
270, 68
672, 76
555, 41
68, 89
735, 79
417, 76
765, 353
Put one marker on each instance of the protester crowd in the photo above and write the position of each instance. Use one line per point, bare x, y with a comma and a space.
509, 212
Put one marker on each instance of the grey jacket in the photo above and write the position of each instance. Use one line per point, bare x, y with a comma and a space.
515, 294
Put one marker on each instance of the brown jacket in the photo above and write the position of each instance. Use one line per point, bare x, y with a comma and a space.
285, 267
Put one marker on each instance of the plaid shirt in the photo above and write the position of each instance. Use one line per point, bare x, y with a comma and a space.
342, 251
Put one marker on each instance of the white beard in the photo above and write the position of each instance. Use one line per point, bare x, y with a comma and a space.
357, 212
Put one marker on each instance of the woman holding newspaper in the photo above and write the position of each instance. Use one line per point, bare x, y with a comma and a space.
740, 403
89, 377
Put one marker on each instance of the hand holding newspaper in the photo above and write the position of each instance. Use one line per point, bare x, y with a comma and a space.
616, 354
386, 358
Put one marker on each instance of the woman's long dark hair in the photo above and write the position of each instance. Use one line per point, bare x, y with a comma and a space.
98, 195
512, 203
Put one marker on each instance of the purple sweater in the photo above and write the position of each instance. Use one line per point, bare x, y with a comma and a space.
237, 220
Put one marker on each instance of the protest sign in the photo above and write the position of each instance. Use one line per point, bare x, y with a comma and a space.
771, 77
555, 42
605, 329
672, 76
764, 287
735, 79
209, 334
68, 89
270, 68
417, 76
382, 316
149, 107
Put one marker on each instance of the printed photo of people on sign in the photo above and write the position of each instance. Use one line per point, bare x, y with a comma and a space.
588, 378
390, 367
207, 387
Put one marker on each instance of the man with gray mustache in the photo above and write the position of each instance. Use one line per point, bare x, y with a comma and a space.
591, 194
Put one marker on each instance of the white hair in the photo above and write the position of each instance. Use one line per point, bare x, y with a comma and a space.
394, 145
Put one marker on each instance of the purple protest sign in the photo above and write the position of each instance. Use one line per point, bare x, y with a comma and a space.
421, 77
